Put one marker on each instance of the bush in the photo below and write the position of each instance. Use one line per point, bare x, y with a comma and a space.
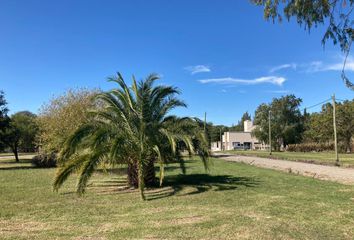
310, 147
45, 160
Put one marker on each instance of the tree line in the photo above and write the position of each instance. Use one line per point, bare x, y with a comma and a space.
292, 125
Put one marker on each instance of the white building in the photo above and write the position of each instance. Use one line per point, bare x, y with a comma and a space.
239, 140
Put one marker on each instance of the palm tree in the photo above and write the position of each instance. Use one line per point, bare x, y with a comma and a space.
132, 126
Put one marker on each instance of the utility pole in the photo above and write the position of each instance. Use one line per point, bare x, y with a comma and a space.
335, 129
270, 134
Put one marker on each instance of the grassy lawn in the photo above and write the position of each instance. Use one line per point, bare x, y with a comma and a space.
236, 201
327, 158
8, 162
11, 154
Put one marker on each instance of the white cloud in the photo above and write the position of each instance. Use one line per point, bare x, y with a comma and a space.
278, 91
283, 66
268, 79
319, 66
198, 69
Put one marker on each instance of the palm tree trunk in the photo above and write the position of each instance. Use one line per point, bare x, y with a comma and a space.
149, 174
133, 180
141, 178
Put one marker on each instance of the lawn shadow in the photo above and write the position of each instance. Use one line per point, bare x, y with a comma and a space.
16, 168
192, 184
11, 164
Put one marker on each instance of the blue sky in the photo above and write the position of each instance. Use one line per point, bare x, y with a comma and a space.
223, 55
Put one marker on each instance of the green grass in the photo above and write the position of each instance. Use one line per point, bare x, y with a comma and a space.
11, 154
327, 158
9, 162
236, 201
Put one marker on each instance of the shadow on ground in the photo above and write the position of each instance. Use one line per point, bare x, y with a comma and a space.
178, 185
192, 184
10, 164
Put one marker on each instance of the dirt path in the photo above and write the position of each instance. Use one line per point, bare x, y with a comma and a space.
330, 173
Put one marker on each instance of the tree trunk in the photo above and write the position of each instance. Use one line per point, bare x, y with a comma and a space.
148, 171
14, 150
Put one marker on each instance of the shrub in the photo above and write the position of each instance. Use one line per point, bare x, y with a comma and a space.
45, 160
310, 147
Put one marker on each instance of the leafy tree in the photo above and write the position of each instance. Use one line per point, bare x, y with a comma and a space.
336, 14
132, 127
11, 138
319, 126
214, 132
62, 116
19, 132
345, 124
26, 124
286, 121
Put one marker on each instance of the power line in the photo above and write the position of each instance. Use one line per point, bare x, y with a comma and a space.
320, 103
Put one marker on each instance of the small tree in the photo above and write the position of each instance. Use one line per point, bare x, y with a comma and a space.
62, 116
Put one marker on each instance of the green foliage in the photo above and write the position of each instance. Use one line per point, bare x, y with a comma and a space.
44, 160
345, 123
336, 14
4, 120
310, 147
132, 126
19, 132
11, 136
62, 116
214, 131
286, 121
319, 126
26, 124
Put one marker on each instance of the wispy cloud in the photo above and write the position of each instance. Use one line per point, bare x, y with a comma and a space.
198, 69
283, 66
278, 91
319, 66
268, 79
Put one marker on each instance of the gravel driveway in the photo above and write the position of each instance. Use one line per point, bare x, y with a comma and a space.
330, 173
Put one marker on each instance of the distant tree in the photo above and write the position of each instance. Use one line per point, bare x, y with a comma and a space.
286, 121
215, 130
19, 132
4, 119
11, 138
319, 126
336, 14
26, 123
345, 124
62, 116
240, 125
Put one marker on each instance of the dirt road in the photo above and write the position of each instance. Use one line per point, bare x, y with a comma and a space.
330, 173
